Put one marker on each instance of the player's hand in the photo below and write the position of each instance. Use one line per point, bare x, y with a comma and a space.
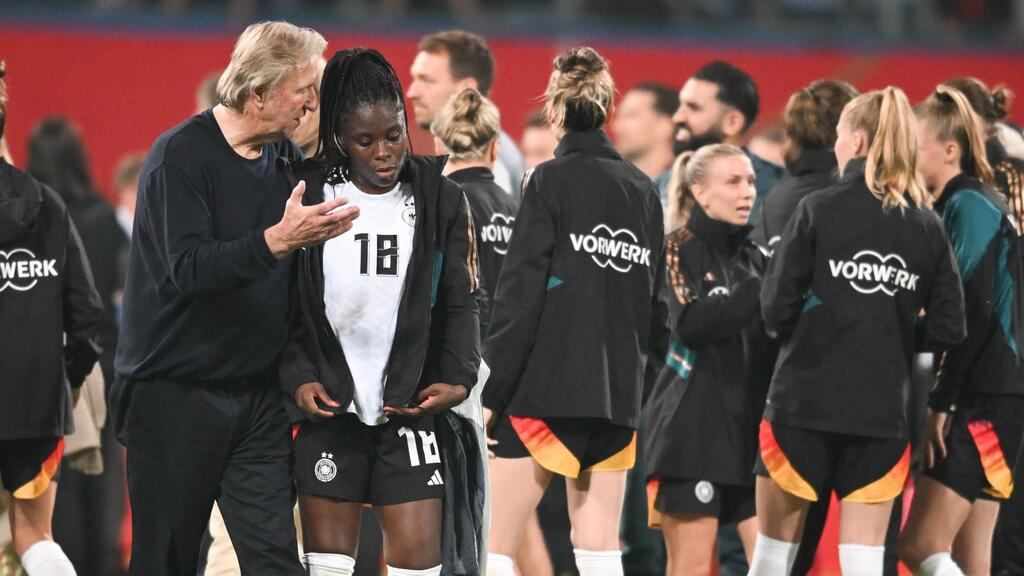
308, 225
933, 441
433, 399
489, 422
306, 397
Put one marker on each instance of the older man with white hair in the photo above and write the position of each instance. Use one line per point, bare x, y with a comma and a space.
196, 399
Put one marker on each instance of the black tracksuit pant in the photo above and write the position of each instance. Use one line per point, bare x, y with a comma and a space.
192, 443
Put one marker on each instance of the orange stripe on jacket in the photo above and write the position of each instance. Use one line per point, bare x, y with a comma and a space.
997, 472
545, 447
47, 471
779, 467
887, 487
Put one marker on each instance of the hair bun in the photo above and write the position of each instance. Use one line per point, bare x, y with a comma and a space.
1002, 97
580, 63
468, 103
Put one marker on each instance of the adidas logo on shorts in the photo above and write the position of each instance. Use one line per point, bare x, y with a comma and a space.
435, 480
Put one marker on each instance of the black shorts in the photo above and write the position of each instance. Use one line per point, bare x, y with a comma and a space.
566, 446
344, 459
863, 469
729, 504
28, 466
981, 451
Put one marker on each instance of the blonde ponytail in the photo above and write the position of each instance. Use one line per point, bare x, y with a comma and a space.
692, 168
949, 114
891, 169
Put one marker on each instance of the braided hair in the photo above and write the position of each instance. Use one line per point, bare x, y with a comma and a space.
353, 78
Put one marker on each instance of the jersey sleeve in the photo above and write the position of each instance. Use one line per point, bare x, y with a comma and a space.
460, 355
520, 294
83, 311
179, 222
788, 275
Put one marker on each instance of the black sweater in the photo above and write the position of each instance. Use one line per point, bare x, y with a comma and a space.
702, 416
494, 215
984, 240
437, 336
844, 290
578, 295
812, 171
46, 295
205, 299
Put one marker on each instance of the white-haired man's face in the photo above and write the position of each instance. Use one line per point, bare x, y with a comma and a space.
281, 109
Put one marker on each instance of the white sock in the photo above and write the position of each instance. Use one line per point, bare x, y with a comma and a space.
772, 557
500, 565
940, 564
320, 564
606, 563
860, 560
435, 571
45, 558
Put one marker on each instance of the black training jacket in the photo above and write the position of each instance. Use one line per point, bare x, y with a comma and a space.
812, 171
437, 337
577, 299
494, 214
50, 312
845, 290
984, 240
702, 416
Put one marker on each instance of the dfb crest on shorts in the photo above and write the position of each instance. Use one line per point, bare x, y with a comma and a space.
705, 491
325, 468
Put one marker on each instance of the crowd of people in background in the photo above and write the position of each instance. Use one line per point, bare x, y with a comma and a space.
646, 344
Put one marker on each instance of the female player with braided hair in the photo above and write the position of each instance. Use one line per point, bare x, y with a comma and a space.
973, 430
385, 329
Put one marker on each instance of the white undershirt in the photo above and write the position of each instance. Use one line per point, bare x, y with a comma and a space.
363, 287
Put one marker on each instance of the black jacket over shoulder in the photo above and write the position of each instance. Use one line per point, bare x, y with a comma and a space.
845, 290
47, 294
494, 215
437, 338
573, 316
814, 170
702, 416
984, 240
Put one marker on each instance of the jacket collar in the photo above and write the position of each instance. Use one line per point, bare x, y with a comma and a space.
593, 142
715, 233
962, 181
813, 162
995, 151
854, 169
21, 198
475, 174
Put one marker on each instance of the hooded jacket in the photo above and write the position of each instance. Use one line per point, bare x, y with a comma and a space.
702, 416
49, 310
812, 171
577, 303
437, 337
984, 240
845, 290
494, 215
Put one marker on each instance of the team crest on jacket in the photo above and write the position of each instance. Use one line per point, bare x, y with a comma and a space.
409, 213
870, 272
498, 232
325, 468
617, 249
20, 269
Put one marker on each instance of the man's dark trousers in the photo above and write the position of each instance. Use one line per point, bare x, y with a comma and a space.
191, 443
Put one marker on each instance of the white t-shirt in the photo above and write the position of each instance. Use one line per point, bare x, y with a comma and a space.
364, 273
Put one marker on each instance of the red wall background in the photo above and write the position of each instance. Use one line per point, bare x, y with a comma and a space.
123, 87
